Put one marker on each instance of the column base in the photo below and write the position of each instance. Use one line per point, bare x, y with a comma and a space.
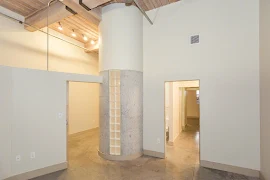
119, 157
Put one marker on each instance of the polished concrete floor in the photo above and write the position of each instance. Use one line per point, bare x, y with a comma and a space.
182, 162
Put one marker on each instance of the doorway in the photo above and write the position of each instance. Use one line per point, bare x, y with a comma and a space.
82, 121
182, 120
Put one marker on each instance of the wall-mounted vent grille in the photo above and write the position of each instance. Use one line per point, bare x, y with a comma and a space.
195, 39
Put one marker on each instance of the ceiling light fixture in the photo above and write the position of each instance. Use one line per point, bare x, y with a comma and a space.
73, 33
93, 42
60, 26
85, 38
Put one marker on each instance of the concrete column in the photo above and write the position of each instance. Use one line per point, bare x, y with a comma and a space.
121, 44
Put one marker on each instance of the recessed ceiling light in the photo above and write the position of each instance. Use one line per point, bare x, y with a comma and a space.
85, 38
73, 33
60, 27
93, 42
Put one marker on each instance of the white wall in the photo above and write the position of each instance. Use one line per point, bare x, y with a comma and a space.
167, 103
30, 107
121, 38
31, 48
177, 106
227, 64
169, 106
182, 108
5, 123
193, 109
176, 111
192, 83
265, 86
172, 105
84, 106
31, 99
182, 85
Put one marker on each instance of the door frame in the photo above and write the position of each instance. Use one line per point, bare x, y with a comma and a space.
67, 111
164, 118
67, 118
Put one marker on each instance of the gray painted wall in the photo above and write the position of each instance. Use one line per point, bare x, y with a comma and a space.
226, 61
265, 86
30, 103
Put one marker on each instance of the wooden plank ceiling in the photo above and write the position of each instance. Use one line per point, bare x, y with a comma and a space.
82, 24
79, 25
24, 7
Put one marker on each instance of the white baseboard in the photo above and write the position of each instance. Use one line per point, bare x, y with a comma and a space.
229, 168
39, 172
154, 154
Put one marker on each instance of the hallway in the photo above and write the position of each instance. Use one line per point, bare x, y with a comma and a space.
182, 162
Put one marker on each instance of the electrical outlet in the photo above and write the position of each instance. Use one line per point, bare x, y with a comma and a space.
60, 115
18, 158
32, 155
158, 140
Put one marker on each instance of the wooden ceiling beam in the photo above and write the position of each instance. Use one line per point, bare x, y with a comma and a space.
57, 12
93, 16
92, 4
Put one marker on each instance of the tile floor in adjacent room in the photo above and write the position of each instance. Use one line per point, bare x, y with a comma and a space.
182, 162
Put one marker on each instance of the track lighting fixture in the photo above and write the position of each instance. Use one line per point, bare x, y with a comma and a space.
60, 26
73, 33
85, 38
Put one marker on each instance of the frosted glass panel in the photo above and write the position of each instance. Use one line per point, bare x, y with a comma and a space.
115, 112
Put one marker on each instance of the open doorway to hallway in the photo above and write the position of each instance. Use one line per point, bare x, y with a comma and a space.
182, 121
82, 122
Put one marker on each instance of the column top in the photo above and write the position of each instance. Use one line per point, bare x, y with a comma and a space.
112, 7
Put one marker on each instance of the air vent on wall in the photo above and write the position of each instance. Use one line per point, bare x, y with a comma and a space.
195, 39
